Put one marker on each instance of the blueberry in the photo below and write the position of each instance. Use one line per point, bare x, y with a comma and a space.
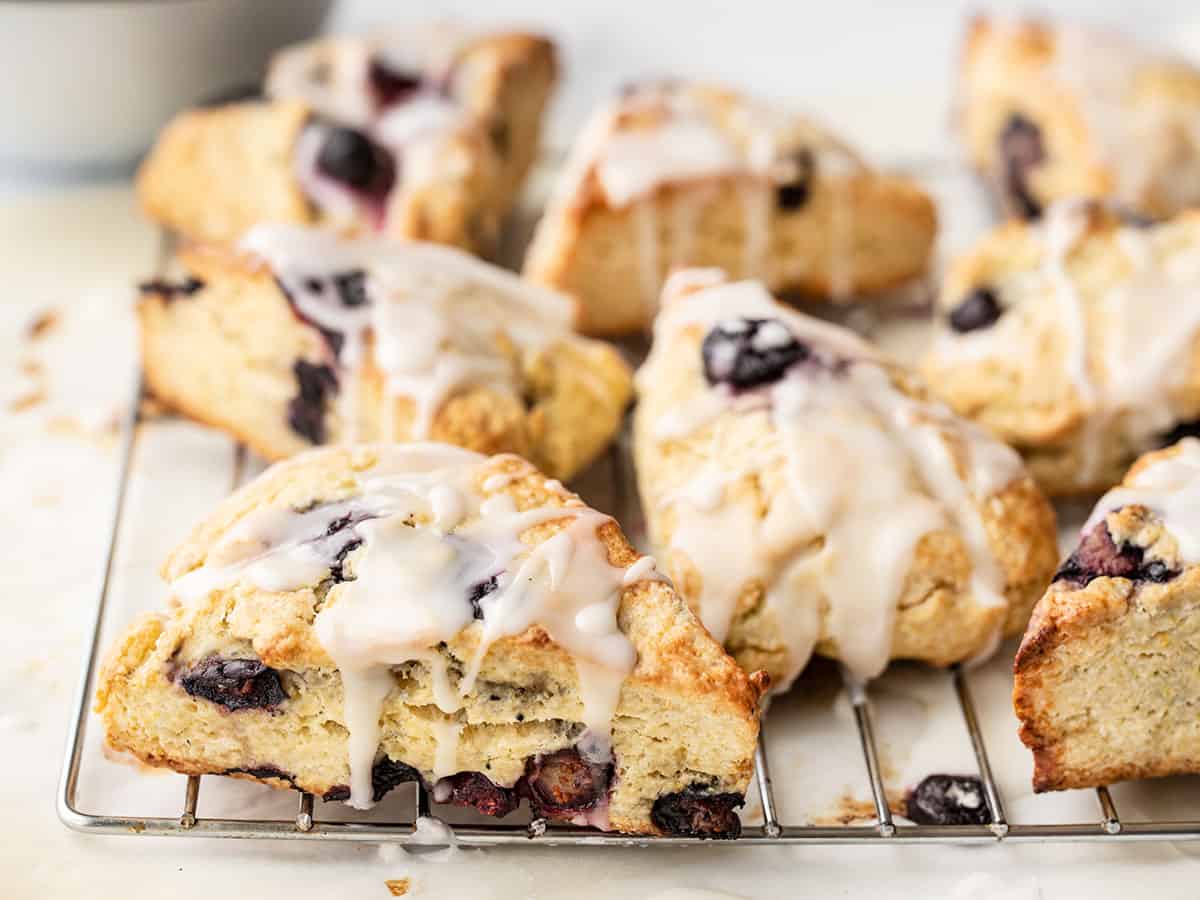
387, 774
979, 309
1097, 556
747, 353
171, 290
350, 157
264, 772
793, 194
351, 288
1021, 151
1179, 432
694, 813
390, 85
337, 792
233, 683
336, 571
948, 800
478, 592
562, 783
306, 411
477, 790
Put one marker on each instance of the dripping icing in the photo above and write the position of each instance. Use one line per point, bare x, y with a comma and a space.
426, 535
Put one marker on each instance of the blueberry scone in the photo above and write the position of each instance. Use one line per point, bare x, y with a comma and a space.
1050, 112
808, 496
677, 174
361, 617
304, 337
423, 134
1106, 679
1076, 340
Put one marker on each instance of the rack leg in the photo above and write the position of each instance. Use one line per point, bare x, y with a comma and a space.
190, 798
766, 794
866, 734
991, 791
1112, 822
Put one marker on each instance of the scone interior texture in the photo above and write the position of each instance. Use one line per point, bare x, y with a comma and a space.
425, 133
1076, 340
361, 617
1050, 111
1106, 677
679, 173
308, 337
807, 495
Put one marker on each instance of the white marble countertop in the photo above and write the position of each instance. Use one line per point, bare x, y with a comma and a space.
70, 258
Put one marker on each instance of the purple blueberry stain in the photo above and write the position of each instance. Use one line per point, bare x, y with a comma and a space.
478, 592
748, 353
390, 84
1098, 556
694, 812
316, 384
233, 683
793, 194
1021, 151
948, 800
979, 309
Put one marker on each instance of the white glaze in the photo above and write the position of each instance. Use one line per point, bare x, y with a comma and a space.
411, 587
1170, 488
1123, 371
868, 471
430, 324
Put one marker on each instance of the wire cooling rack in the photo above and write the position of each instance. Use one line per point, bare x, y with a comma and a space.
776, 826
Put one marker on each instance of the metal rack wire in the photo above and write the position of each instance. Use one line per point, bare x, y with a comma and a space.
775, 828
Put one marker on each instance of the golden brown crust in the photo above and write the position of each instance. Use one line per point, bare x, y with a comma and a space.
1103, 679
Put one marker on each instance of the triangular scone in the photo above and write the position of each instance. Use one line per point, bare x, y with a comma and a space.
308, 338
1106, 677
677, 174
1076, 340
806, 495
1050, 112
423, 133
360, 617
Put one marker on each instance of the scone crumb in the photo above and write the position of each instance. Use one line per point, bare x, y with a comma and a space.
398, 887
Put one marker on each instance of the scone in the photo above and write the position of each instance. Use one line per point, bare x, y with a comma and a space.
1076, 340
807, 495
360, 617
1106, 677
676, 173
1050, 112
304, 337
423, 134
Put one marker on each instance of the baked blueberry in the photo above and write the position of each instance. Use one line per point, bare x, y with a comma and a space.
948, 800
388, 774
389, 84
1097, 556
171, 290
793, 194
747, 353
306, 411
1021, 151
350, 157
479, 591
264, 772
1179, 432
337, 792
562, 783
351, 288
233, 683
336, 571
694, 813
477, 790
979, 309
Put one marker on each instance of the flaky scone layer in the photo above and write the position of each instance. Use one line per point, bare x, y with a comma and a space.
685, 724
